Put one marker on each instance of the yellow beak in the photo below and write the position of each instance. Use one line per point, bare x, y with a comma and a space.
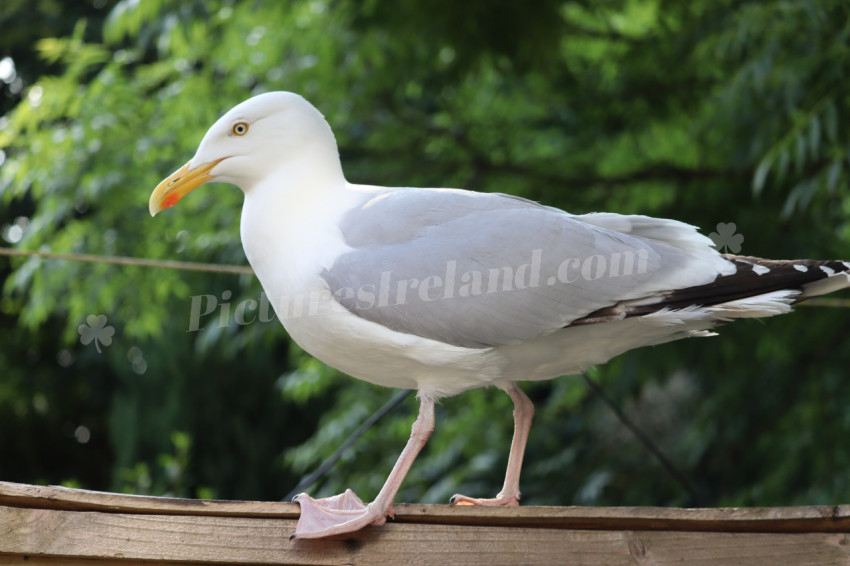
179, 184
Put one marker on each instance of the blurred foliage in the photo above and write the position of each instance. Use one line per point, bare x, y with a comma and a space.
709, 112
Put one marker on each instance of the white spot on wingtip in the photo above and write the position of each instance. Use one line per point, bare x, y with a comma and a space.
829, 272
846, 264
799, 267
760, 269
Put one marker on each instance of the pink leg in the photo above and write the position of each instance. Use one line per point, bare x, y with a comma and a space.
509, 496
346, 513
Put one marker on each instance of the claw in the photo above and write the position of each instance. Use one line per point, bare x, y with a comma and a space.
511, 500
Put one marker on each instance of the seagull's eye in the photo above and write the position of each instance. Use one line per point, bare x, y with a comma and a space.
240, 128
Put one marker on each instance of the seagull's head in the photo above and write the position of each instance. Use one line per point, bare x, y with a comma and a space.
249, 143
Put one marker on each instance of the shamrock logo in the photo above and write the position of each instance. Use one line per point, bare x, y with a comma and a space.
726, 238
96, 330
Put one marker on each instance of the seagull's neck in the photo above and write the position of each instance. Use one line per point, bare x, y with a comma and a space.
289, 222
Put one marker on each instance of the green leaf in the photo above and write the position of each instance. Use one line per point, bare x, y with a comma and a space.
814, 138
760, 175
833, 175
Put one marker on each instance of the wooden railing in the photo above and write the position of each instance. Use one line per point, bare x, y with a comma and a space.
55, 525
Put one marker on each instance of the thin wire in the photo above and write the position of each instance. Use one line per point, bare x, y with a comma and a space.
121, 260
327, 464
646, 441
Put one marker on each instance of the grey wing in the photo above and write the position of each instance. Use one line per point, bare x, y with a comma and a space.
481, 270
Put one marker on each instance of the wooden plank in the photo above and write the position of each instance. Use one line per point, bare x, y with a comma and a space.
57, 497
754, 519
28, 560
766, 519
42, 535
8, 560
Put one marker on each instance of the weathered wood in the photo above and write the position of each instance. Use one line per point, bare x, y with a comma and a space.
56, 497
8, 560
50, 525
754, 519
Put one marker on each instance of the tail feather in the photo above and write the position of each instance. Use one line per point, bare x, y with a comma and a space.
758, 287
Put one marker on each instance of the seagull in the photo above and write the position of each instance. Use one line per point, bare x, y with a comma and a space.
446, 290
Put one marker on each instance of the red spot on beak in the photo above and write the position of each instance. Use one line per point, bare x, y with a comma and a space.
170, 201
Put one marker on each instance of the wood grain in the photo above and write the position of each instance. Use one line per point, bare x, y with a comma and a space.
50, 525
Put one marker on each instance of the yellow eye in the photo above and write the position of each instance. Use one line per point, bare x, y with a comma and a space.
240, 128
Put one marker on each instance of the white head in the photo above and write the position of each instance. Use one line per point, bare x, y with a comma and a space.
251, 142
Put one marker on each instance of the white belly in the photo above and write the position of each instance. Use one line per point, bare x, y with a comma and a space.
376, 354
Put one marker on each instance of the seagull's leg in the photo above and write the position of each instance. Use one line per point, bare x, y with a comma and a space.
346, 513
523, 414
